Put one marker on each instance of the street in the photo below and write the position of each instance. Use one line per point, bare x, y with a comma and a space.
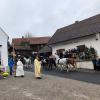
53, 86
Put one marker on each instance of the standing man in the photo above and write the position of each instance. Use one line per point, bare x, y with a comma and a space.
94, 63
10, 64
37, 67
98, 64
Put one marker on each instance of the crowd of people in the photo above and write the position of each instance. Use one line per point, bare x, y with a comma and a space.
17, 68
68, 53
79, 54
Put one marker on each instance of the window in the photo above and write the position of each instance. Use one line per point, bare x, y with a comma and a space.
60, 51
81, 48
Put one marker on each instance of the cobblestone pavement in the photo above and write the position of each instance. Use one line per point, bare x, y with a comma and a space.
67, 86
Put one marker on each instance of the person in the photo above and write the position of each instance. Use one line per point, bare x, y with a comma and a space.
98, 63
94, 63
37, 67
61, 55
19, 69
11, 64
52, 61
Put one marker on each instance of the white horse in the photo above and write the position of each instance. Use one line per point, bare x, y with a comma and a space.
65, 63
28, 62
61, 63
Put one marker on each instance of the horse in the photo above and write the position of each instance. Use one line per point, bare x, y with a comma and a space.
65, 63
27, 63
48, 63
45, 63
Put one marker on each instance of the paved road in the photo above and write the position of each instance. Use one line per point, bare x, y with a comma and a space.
80, 85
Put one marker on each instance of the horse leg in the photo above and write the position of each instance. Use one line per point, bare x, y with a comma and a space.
61, 67
67, 67
50, 66
54, 63
27, 65
57, 67
43, 64
46, 66
74, 66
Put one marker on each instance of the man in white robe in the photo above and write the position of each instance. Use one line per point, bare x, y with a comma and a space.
19, 69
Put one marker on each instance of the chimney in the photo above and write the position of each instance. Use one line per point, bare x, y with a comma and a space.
76, 22
22, 37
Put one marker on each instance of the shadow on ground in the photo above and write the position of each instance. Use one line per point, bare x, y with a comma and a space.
84, 75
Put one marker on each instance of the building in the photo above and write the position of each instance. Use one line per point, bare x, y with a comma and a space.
28, 45
85, 32
45, 51
3, 48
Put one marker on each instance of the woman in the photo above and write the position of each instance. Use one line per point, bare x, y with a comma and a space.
37, 67
19, 70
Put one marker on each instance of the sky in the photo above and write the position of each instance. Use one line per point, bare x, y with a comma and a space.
43, 17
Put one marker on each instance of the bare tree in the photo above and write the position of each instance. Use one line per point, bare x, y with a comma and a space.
28, 35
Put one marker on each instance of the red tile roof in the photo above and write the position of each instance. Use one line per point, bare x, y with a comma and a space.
31, 41
39, 40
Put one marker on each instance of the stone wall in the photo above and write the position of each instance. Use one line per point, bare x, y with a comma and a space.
85, 64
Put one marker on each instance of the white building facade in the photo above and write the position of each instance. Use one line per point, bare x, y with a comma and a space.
92, 40
3, 49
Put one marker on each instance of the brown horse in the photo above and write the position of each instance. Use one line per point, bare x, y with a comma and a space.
72, 61
65, 63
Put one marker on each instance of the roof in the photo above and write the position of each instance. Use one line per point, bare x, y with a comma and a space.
45, 49
40, 40
79, 29
31, 41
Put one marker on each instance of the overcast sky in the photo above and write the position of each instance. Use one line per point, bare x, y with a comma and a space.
43, 17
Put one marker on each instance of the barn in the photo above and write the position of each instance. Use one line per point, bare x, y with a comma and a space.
3, 48
85, 33
27, 46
